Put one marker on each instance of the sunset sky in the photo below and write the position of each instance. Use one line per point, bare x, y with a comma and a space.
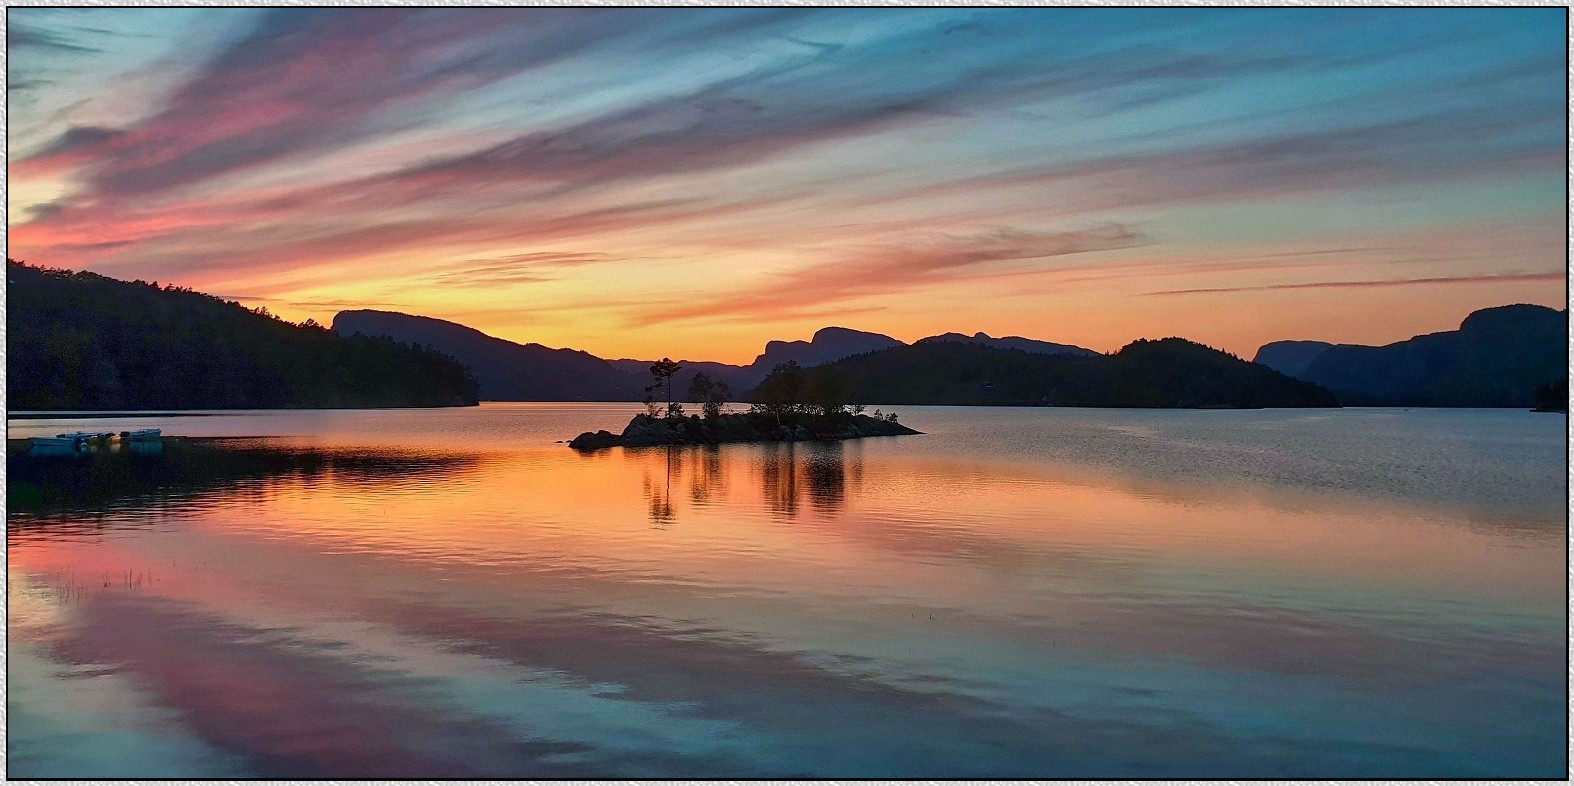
694, 182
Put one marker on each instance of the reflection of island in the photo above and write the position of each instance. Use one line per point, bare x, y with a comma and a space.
786, 473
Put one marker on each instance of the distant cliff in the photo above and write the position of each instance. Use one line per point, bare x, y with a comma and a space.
1290, 357
1167, 373
1497, 358
506, 371
1032, 346
510, 371
81, 341
827, 345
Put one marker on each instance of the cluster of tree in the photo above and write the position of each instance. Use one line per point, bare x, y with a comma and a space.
710, 394
789, 405
789, 393
1169, 372
81, 341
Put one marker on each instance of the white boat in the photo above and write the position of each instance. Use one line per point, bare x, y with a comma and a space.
88, 437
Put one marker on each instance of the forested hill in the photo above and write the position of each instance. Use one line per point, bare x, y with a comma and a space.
1169, 372
81, 341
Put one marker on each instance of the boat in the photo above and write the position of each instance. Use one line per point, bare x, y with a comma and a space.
86, 436
140, 435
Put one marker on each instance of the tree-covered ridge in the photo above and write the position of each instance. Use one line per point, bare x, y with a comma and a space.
82, 341
1170, 372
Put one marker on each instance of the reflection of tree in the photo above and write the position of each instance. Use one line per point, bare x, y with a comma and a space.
826, 474
788, 471
190, 468
659, 492
707, 481
779, 477
820, 468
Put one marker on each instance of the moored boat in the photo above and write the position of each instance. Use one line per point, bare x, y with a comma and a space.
85, 438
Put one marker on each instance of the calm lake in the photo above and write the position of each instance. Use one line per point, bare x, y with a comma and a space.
1016, 593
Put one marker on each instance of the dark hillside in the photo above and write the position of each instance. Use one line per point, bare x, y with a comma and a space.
1497, 358
506, 370
81, 341
1171, 372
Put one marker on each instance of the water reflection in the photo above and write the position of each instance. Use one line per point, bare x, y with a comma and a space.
786, 474
52, 490
840, 610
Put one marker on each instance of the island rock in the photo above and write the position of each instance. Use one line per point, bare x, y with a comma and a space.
643, 430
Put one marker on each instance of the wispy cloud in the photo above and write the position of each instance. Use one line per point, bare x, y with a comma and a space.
24, 37
1482, 278
878, 271
827, 156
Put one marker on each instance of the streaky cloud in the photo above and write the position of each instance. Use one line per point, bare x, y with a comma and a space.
891, 268
1483, 278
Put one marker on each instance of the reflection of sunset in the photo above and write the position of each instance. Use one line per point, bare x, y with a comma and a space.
335, 610
896, 524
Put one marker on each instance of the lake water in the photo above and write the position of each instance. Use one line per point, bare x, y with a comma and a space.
1016, 593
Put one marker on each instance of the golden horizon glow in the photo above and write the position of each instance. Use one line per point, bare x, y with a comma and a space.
693, 183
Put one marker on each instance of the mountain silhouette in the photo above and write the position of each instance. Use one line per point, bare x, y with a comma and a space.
827, 345
82, 341
1290, 357
510, 371
1496, 358
1028, 345
506, 371
1171, 373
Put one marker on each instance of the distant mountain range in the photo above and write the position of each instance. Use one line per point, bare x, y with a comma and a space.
509, 371
1171, 373
1028, 345
1496, 358
826, 345
84, 341
950, 368
505, 370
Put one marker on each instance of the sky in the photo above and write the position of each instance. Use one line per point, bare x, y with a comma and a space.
692, 182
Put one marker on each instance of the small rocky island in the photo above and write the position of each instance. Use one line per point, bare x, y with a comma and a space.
787, 407
645, 430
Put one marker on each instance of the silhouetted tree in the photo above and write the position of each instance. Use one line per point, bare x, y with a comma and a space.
826, 393
709, 394
781, 392
663, 371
